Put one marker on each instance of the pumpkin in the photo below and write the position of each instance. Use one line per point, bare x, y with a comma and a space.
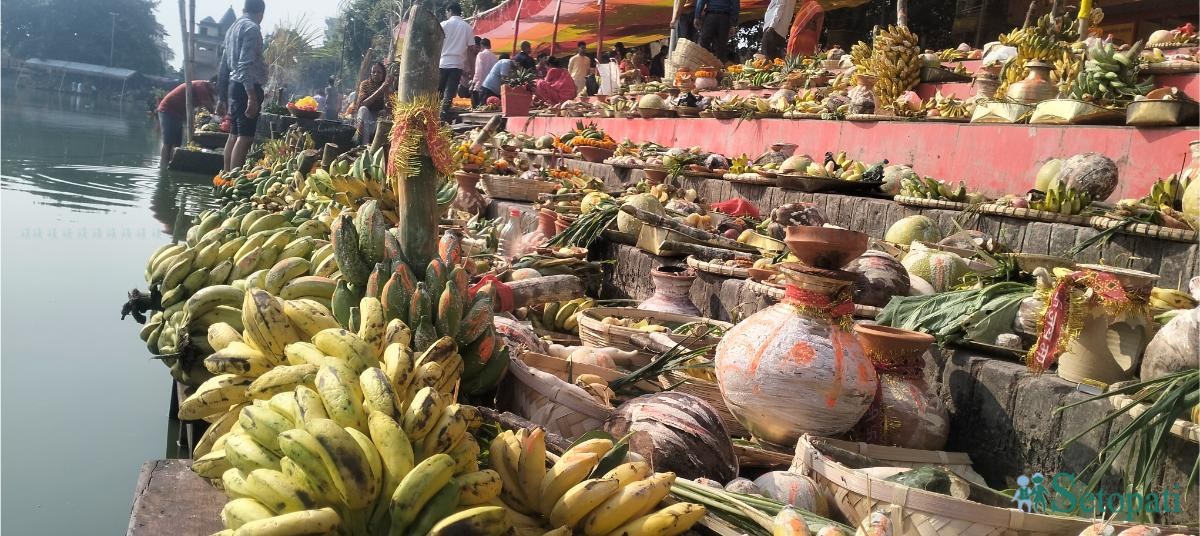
943, 270
794, 489
892, 175
913, 228
880, 276
676, 432
627, 223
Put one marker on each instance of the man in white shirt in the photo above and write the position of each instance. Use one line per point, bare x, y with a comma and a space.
777, 24
580, 67
458, 36
484, 61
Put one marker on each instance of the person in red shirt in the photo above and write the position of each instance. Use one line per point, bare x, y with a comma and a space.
172, 111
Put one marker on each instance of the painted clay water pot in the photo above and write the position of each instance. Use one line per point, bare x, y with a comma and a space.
672, 289
906, 412
796, 368
468, 198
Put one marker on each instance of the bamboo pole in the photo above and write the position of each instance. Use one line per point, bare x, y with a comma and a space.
417, 193
902, 13
600, 31
554, 34
517, 26
188, 112
1029, 13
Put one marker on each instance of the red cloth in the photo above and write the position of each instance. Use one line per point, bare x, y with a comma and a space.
175, 102
557, 87
736, 208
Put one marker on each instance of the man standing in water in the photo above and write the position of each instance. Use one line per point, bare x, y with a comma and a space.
172, 112
454, 55
244, 73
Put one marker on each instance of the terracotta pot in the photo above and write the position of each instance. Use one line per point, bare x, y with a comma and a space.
655, 176
788, 370
561, 225
546, 219
889, 346
515, 101
1036, 87
594, 154
825, 247
469, 199
906, 413
672, 291
986, 86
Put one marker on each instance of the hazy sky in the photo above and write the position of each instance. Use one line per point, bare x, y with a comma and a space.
314, 11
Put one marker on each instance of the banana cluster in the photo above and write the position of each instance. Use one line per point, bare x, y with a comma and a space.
949, 106
436, 306
1169, 298
562, 317
1169, 190
895, 59
931, 188
1062, 199
807, 101
580, 493
1110, 77
1047, 41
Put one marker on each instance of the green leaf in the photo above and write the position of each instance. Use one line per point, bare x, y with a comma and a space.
614, 457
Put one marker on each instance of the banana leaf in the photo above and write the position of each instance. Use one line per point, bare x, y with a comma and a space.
974, 314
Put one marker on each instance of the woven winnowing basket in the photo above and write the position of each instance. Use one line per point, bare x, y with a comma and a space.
692, 56
594, 332
708, 391
515, 188
915, 512
539, 388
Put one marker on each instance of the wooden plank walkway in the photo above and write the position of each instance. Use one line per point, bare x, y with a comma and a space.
171, 499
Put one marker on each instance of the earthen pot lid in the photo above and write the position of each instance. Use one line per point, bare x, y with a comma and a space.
892, 345
825, 247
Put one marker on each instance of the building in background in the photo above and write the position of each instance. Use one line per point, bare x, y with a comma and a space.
208, 38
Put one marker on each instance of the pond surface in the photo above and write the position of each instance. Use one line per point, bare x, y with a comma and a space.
82, 206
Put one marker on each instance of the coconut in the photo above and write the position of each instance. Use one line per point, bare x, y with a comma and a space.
1046, 173
913, 228
794, 489
676, 432
545, 142
782, 99
880, 276
1090, 173
943, 270
627, 223
797, 163
892, 175
745, 486
652, 101
1174, 347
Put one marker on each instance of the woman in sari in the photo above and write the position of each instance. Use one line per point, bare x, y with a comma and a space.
558, 86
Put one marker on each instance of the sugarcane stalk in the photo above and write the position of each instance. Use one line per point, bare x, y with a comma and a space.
416, 194
683, 229
711, 253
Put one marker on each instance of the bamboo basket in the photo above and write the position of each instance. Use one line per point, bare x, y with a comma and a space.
717, 268
708, 391
593, 332
1159, 113
1145, 229
1188, 431
930, 203
550, 399
515, 188
1032, 214
914, 512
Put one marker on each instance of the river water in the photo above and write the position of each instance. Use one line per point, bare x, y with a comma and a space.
82, 206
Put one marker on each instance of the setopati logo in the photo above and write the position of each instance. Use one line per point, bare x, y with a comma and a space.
1062, 494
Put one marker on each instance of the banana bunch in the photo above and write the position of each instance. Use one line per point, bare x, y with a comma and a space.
1169, 298
896, 60
931, 188
377, 452
437, 305
949, 107
732, 103
1110, 77
807, 101
587, 271
1169, 190
839, 166
586, 491
562, 317
1047, 41
1062, 199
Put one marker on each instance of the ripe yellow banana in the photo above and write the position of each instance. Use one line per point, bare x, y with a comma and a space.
569, 470
581, 499
672, 520
287, 269
285, 404
263, 425
418, 487
282, 378
378, 393
422, 414
374, 464
393, 446
309, 405
478, 487
245, 454
214, 396
267, 327
338, 387
321, 521
348, 346
211, 465
630, 502
372, 325
238, 358
308, 317
397, 332
303, 450
599, 447
478, 521
449, 430
234, 482
347, 464
299, 353
630, 472
221, 334
398, 366
240, 511
466, 455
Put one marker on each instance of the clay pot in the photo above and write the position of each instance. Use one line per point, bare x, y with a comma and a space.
546, 219
654, 176
1109, 348
672, 291
880, 277
1036, 87
468, 199
788, 370
892, 346
561, 225
906, 412
594, 154
825, 247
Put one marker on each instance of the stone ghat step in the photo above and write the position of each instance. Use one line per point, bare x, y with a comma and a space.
1174, 262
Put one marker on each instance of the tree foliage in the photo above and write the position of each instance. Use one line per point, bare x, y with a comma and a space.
82, 30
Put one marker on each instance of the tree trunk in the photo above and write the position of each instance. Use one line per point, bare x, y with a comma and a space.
902, 13
417, 193
1029, 13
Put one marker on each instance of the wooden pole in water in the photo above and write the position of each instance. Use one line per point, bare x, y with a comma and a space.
187, 70
417, 202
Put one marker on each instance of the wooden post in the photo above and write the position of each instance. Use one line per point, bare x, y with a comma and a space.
517, 26
1029, 13
902, 13
187, 70
600, 31
417, 193
554, 34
